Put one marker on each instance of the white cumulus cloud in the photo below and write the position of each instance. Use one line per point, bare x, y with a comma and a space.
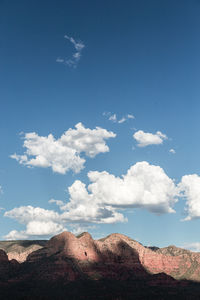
16, 235
43, 228
146, 138
103, 201
38, 221
41, 222
63, 154
144, 185
190, 189
26, 214
83, 207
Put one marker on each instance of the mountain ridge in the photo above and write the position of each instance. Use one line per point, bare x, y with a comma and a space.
108, 263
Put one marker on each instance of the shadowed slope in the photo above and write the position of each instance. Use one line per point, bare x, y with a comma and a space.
116, 267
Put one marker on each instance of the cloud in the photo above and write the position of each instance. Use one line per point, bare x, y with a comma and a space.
77, 229
86, 140
77, 45
41, 222
1, 190
73, 61
36, 229
43, 228
26, 214
113, 117
145, 138
60, 60
172, 151
103, 201
16, 235
144, 186
84, 207
38, 221
129, 116
59, 203
122, 120
63, 154
190, 189
195, 247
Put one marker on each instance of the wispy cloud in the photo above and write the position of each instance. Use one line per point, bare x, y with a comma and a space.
73, 61
113, 117
122, 120
60, 60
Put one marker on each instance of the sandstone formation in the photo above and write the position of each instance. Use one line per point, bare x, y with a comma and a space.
19, 250
67, 263
122, 252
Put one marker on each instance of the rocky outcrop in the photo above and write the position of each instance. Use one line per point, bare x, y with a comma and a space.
3, 257
82, 248
105, 257
7, 268
115, 264
117, 254
176, 262
19, 250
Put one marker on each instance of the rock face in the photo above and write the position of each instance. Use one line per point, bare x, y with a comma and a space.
7, 268
3, 257
119, 251
116, 249
117, 260
82, 248
19, 250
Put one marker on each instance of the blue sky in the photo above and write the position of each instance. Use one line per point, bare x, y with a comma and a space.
139, 58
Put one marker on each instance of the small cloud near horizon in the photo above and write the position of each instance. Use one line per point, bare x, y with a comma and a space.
194, 247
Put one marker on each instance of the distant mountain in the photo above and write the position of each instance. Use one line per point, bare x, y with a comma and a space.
115, 267
19, 250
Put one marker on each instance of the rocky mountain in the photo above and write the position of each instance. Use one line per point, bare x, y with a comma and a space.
19, 250
115, 267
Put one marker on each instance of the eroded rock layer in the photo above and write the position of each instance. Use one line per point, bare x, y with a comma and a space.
115, 267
